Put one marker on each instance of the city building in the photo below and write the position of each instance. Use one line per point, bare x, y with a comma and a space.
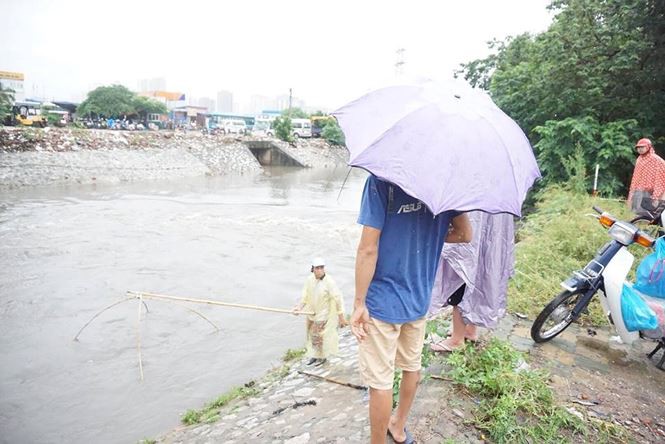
13, 81
206, 102
224, 102
154, 84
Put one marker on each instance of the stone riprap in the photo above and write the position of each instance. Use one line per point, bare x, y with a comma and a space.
54, 156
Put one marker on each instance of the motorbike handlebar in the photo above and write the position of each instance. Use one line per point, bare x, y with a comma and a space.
597, 210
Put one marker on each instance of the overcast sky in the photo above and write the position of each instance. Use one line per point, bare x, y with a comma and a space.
328, 52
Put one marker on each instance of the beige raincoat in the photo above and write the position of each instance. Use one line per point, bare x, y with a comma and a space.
323, 298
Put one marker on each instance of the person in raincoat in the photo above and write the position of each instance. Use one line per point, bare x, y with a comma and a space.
648, 182
321, 296
473, 278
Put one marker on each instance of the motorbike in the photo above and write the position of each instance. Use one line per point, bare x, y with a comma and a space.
604, 275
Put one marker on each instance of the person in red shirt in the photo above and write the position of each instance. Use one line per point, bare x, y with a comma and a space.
648, 180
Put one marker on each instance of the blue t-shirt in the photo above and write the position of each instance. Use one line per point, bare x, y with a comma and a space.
409, 248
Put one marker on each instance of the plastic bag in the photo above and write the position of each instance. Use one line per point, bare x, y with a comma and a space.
635, 312
651, 272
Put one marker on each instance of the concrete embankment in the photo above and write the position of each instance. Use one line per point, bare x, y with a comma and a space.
53, 156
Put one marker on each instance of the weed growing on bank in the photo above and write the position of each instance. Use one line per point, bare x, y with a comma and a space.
517, 404
210, 412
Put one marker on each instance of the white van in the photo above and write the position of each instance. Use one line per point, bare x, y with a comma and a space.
301, 127
234, 127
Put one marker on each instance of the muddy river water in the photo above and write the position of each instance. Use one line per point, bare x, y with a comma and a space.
66, 253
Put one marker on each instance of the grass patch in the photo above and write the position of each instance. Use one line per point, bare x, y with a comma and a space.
519, 406
555, 240
210, 413
293, 354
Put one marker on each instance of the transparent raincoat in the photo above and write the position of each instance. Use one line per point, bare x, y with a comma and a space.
322, 296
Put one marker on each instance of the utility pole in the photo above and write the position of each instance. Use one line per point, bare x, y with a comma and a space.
290, 100
399, 64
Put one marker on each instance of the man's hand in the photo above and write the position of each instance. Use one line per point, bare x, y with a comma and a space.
342, 322
359, 322
298, 308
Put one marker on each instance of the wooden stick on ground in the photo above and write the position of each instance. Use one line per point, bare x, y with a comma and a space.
138, 294
335, 381
441, 378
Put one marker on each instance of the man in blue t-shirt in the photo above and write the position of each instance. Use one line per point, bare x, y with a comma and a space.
396, 263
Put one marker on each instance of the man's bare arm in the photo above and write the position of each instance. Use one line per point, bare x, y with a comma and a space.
366, 257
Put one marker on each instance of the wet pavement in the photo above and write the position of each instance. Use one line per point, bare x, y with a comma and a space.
306, 409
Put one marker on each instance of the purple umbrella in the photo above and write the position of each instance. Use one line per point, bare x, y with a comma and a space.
446, 144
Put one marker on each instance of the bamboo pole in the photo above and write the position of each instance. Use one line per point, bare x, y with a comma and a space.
76, 338
203, 317
138, 339
140, 294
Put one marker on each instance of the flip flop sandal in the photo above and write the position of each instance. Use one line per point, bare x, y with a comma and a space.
441, 346
408, 440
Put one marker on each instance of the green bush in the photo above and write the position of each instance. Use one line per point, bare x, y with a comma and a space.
570, 149
283, 128
333, 133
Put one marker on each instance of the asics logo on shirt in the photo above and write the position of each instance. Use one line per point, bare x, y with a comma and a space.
409, 208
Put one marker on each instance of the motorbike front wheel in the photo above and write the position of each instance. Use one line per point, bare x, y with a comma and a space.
555, 317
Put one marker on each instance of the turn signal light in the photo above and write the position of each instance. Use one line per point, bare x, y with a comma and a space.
644, 240
606, 220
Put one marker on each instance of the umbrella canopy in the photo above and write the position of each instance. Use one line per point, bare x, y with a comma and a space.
446, 144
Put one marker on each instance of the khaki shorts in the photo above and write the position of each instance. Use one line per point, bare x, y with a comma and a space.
387, 346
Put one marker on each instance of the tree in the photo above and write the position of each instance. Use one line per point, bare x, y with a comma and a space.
333, 133
283, 128
145, 105
108, 101
6, 102
599, 64
295, 113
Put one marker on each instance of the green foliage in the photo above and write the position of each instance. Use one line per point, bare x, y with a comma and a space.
118, 101
588, 142
108, 101
516, 405
553, 241
51, 117
283, 128
600, 64
397, 380
145, 105
6, 102
333, 133
210, 413
295, 113
292, 355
